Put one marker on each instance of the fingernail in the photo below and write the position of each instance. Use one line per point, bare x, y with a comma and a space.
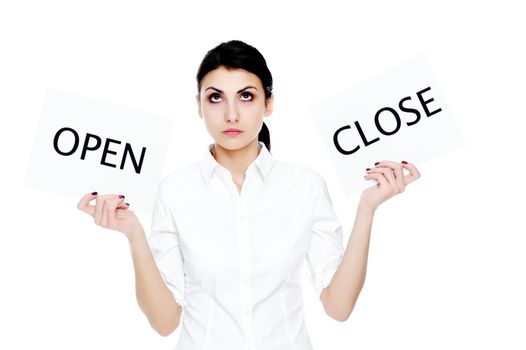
94, 193
368, 169
403, 161
376, 163
128, 204
121, 196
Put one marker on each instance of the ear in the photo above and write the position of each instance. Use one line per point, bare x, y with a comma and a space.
198, 105
269, 105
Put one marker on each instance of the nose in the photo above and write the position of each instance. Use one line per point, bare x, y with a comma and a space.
231, 113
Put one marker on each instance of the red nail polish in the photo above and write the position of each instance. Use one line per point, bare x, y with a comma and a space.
376, 163
94, 193
403, 161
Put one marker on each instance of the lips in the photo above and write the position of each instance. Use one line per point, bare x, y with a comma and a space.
232, 131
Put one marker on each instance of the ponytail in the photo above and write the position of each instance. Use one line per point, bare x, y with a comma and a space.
264, 136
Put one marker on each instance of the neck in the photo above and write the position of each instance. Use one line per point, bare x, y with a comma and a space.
236, 161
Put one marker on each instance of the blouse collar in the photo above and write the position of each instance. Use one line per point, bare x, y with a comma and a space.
263, 162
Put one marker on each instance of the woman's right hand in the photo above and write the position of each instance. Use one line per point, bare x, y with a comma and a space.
110, 211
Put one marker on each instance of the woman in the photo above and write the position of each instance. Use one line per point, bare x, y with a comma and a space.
230, 232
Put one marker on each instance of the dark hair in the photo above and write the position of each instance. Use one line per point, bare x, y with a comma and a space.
237, 54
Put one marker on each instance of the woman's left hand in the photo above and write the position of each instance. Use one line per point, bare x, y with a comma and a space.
391, 181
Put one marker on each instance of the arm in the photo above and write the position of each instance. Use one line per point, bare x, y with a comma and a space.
340, 296
153, 297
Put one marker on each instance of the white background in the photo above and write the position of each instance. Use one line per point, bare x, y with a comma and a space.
447, 257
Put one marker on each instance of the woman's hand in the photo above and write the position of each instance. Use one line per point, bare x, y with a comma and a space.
111, 212
391, 181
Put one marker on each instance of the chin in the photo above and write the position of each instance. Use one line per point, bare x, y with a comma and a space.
233, 144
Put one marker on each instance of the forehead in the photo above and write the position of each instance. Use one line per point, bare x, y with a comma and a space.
230, 79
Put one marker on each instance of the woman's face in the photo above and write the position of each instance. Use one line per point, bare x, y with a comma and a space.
233, 99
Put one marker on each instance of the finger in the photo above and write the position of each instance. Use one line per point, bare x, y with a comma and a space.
123, 205
99, 204
378, 176
107, 207
104, 219
84, 205
398, 172
414, 174
110, 209
388, 174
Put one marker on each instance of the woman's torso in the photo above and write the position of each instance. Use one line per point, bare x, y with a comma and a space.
242, 253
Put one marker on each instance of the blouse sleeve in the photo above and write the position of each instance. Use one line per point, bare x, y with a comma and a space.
164, 243
326, 249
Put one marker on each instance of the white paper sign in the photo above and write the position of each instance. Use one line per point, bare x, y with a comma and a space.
85, 145
399, 115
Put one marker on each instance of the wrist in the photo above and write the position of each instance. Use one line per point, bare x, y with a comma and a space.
136, 235
364, 208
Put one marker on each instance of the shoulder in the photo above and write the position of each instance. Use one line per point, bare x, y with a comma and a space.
180, 179
297, 172
303, 177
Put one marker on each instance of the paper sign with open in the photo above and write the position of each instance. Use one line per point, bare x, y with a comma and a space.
84, 145
399, 115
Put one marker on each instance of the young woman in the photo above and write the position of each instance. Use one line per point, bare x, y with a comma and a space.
231, 231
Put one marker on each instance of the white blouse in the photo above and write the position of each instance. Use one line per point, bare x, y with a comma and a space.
233, 260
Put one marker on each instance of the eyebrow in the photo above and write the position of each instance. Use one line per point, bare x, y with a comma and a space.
246, 87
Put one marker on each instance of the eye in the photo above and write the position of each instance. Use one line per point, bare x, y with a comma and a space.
212, 96
247, 94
